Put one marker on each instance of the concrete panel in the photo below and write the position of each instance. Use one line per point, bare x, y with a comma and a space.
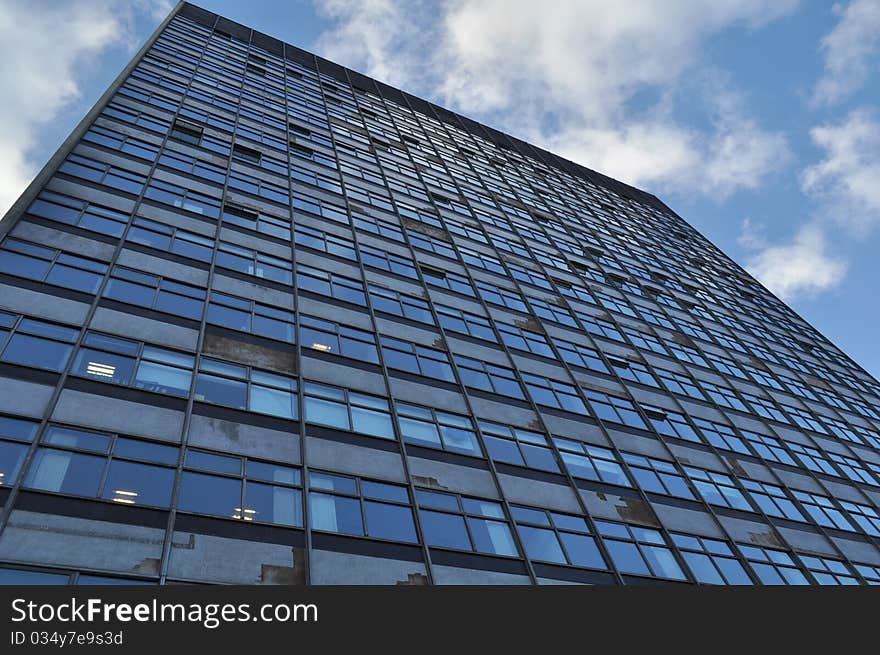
207, 558
455, 575
330, 568
538, 493
426, 394
159, 266
356, 460
244, 439
42, 305
145, 329
81, 543
858, 551
102, 412
252, 291
808, 542
342, 375
24, 398
687, 520
618, 508
463, 479
504, 413
63, 240
750, 532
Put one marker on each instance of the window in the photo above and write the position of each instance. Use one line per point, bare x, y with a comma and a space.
171, 239
812, 458
446, 279
117, 141
870, 573
319, 208
102, 173
639, 551
718, 489
521, 339
462, 523
193, 166
724, 396
720, 435
553, 393
827, 571
326, 336
95, 464
658, 476
253, 262
436, 429
553, 311
670, 424
866, 517
772, 500
245, 154
773, 567
330, 284
347, 410
250, 316
578, 355
244, 387
257, 222
368, 223
679, 383
770, 448
488, 377
325, 242
121, 361
822, 510
632, 371
591, 462
388, 261
417, 359
186, 132
34, 343
359, 507
241, 488
518, 446
49, 265
15, 434
711, 561
398, 304
153, 292
504, 297
88, 216
457, 320
181, 198
614, 409
557, 538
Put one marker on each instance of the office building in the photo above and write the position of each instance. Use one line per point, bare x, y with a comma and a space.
264, 320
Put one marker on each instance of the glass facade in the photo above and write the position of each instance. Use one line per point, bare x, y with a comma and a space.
269, 321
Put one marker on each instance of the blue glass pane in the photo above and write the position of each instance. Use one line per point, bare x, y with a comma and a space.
389, 521
11, 457
39, 353
70, 473
491, 536
130, 483
335, 514
541, 544
272, 504
445, 530
209, 494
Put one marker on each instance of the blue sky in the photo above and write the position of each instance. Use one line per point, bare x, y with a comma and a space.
757, 121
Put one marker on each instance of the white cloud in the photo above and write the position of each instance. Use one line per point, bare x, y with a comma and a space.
851, 50
43, 45
847, 180
800, 268
575, 77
